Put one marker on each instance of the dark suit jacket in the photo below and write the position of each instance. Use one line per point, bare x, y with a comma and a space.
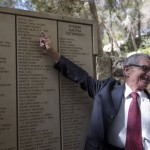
107, 95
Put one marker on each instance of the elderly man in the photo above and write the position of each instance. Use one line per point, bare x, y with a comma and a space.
121, 113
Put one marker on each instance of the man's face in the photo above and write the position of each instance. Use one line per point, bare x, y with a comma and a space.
138, 76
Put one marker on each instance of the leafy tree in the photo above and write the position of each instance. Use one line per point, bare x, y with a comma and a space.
119, 19
7, 3
63, 7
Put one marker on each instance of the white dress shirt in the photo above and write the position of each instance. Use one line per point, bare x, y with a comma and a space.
117, 132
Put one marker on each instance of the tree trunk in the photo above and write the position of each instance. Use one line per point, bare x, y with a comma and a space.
93, 11
133, 40
113, 39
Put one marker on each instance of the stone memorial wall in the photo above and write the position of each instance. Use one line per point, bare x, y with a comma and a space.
39, 108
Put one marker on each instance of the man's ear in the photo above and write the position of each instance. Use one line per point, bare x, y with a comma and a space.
126, 71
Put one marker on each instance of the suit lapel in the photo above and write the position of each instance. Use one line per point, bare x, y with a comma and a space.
117, 95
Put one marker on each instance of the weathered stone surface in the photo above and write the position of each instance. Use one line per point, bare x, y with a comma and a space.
103, 67
40, 108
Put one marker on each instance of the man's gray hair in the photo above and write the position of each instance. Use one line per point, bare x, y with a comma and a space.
135, 58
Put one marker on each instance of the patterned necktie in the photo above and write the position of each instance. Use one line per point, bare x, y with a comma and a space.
134, 133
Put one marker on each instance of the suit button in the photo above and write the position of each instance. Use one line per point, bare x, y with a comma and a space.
111, 116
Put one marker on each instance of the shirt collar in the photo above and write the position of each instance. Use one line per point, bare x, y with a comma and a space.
128, 90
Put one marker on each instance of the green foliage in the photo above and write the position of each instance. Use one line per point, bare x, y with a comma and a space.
127, 47
7, 3
63, 7
143, 45
146, 50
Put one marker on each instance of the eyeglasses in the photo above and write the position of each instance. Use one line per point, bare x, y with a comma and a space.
143, 67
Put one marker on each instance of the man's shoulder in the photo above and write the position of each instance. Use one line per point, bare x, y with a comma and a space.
110, 83
112, 80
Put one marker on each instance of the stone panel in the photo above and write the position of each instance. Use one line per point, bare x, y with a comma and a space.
39, 108
8, 102
75, 103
